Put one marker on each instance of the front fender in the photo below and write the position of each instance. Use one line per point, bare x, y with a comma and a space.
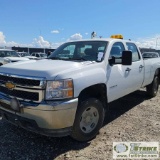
85, 77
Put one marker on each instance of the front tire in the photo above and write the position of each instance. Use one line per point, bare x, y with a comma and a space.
88, 121
152, 88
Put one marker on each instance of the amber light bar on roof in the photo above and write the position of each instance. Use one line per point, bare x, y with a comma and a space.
117, 36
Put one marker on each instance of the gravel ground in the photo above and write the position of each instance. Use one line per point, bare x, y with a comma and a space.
132, 118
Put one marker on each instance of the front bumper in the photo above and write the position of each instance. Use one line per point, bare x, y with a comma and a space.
53, 118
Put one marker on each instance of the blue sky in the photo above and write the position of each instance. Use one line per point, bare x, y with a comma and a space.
44, 23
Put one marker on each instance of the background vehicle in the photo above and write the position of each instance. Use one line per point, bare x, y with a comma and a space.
150, 55
23, 54
27, 55
68, 93
39, 55
8, 56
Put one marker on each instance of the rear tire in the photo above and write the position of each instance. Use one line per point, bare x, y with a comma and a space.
88, 121
152, 88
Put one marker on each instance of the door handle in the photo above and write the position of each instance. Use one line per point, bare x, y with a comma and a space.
128, 69
141, 66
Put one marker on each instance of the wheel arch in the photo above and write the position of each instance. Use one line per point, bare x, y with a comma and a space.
98, 91
157, 73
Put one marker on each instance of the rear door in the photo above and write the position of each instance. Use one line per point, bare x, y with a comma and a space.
137, 68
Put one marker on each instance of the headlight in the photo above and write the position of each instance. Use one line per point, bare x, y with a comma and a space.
59, 89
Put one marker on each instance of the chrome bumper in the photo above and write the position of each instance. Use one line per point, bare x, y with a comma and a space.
48, 116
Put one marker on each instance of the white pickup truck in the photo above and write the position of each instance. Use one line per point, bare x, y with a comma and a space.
68, 93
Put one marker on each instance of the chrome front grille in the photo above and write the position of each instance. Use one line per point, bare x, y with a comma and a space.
25, 88
33, 96
19, 81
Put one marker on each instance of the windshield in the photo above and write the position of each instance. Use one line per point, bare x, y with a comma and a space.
8, 54
85, 51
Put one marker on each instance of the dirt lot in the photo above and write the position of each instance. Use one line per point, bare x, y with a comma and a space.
132, 118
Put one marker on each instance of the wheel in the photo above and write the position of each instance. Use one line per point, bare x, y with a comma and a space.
88, 121
152, 88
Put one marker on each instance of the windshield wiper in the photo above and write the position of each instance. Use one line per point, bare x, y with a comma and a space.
74, 59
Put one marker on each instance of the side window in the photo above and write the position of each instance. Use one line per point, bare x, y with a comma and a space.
135, 54
116, 51
37, 55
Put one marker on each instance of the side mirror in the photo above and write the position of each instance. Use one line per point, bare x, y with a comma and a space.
126, 58
112, 60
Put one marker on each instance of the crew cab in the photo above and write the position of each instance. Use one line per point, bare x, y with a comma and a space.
68, 93
8, 56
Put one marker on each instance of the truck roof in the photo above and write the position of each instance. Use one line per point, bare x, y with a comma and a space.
103, 39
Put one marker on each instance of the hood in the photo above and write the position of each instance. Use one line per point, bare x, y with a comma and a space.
46, 68
14, 59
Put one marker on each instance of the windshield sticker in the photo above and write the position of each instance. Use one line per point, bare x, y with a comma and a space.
100, 56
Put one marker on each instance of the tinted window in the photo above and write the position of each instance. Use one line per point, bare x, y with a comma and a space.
135, 55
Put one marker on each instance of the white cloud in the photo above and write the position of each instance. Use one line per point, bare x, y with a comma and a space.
40, 42
149, 42
37, 42
55, 31
2, 39
86, 33
11, 43
76, 36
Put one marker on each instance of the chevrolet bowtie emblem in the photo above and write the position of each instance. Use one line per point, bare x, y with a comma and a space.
10, 85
